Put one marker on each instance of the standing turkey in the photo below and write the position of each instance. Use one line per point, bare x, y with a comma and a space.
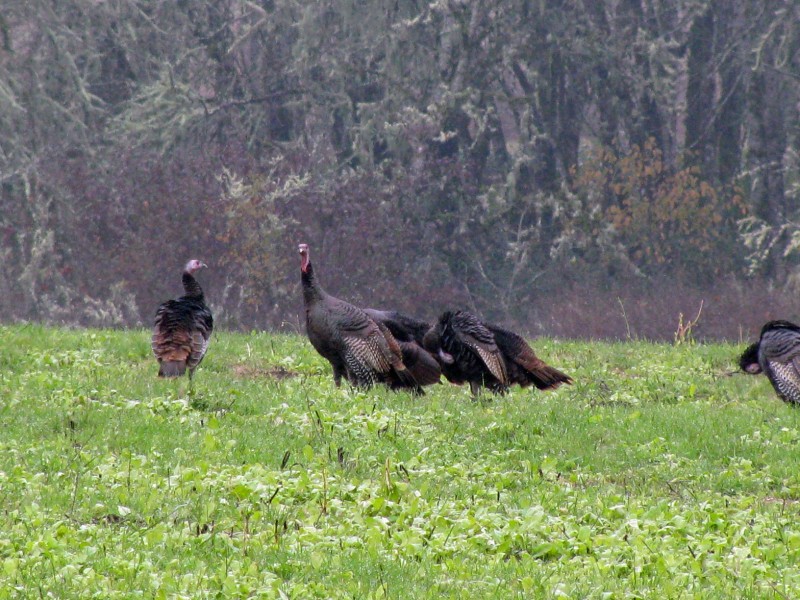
467, 351
182, 328
487, 355
409, 332
359, 349
777, 354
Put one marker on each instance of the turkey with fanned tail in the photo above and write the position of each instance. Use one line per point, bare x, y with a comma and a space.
777, 354
182, 328
359, 349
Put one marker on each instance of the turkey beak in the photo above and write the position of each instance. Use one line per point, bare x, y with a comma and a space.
445, 357
203, 265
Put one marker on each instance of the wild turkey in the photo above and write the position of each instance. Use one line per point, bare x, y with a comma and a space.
777, 354
522, 365
409, 332
358, 348
488, 355
182, 328
467, 351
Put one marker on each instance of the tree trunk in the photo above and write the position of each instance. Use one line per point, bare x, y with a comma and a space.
767, 135
700, 104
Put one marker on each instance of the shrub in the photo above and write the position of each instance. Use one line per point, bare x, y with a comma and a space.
669, 221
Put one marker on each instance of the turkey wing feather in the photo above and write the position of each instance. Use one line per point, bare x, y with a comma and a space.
523, 366
781, 345
480, 340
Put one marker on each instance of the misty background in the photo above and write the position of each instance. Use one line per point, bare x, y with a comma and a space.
576, 169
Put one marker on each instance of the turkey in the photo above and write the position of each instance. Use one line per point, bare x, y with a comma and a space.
409, 332
777, 354
359, 349
182, 328
467, 351
489, 355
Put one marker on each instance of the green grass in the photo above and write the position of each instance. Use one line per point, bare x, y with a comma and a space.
654, 476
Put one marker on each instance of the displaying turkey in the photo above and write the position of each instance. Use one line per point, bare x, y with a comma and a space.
777, 354
409, 332
522, 365
467, 351
182, 328
358, 348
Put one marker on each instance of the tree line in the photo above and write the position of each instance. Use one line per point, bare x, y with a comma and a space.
533, 161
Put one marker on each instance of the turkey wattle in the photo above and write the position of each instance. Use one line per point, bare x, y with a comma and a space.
182, 328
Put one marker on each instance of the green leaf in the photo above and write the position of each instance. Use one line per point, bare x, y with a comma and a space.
308, 452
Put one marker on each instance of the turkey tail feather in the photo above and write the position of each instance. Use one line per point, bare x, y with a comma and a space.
172, 368
548, 378
420, 363
407, 380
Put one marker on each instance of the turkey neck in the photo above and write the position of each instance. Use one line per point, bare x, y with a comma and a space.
312, 292
191, 288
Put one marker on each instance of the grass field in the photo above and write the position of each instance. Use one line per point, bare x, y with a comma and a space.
654, 476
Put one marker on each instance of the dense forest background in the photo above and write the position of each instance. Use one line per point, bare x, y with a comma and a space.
575, 168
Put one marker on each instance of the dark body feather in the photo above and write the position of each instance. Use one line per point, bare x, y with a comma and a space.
523, 366
405, 328
487, 355
409, 332
359, 349
467, 351
182, 330
778, 353
748, 361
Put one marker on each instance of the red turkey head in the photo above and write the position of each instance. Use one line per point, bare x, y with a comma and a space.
304, 259
193, 266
